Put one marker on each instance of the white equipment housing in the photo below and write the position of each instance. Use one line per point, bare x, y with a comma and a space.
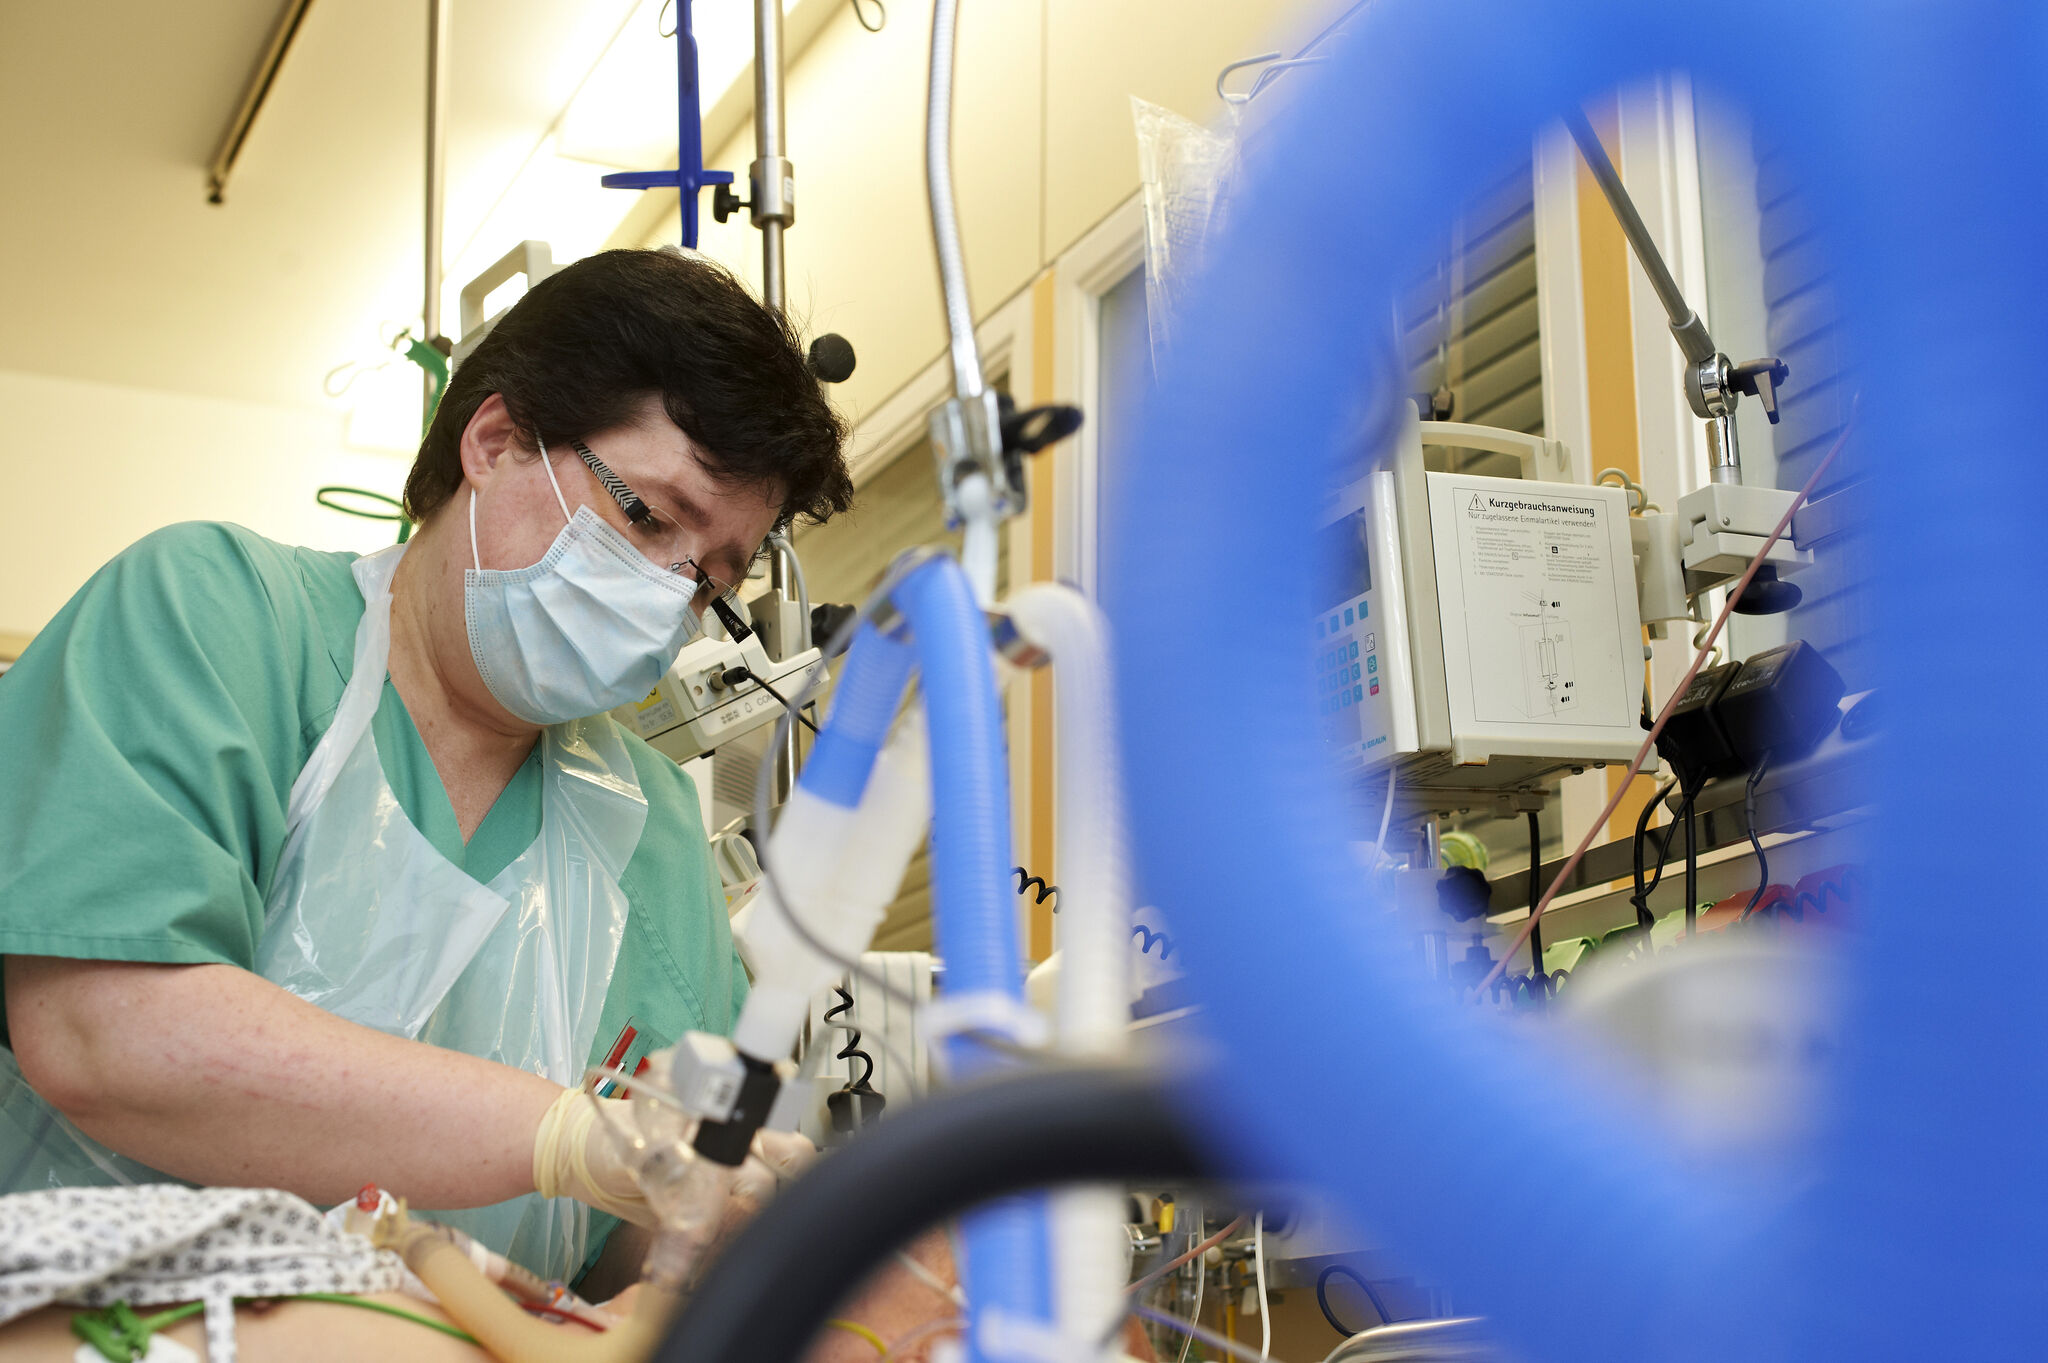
1477, 633
692, 710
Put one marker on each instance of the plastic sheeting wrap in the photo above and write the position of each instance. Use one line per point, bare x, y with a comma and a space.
368, 921
1528, 1180
1185, 170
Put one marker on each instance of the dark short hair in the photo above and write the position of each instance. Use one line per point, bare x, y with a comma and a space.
585, 346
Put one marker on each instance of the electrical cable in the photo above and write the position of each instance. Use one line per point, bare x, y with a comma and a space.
908, 1262
1641, 898
1323, 1301
1683, 813
1201, 1285
854, 1327
767, 1294
1379, 847
882, 15
1535, 894
1635, 765
1763, 865
851, 1050
733, 676
1036, 886
1195, 1331
897, 1055
1265, 1305
175, 1314
1154, 1275
1692, 869
861, 1087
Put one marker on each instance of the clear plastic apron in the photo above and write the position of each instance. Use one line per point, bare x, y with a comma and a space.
368, 921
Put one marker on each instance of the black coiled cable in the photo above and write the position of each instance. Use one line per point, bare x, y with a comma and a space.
1035, 885
851, 1050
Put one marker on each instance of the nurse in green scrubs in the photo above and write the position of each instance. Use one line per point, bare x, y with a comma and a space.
318, 871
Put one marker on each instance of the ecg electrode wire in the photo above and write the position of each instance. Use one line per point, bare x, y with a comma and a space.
1635, 765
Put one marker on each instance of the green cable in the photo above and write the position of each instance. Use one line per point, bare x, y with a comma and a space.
343, 1299
327, 495
171, 1317
122, 1338
436, 366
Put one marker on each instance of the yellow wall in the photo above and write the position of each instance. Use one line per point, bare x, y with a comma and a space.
96, 467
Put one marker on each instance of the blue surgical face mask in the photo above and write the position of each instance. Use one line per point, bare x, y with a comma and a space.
592, 625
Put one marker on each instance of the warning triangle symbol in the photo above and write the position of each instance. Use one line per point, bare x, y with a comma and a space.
1475, 504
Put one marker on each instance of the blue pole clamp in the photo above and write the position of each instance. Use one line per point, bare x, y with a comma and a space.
1518, 1173
689, 176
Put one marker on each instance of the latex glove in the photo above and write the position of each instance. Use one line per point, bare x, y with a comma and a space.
575, 1154
774, 1158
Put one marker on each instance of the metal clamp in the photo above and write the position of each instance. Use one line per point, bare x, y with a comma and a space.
1011, 643
967, 439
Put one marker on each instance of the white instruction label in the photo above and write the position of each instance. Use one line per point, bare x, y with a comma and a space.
1537, 609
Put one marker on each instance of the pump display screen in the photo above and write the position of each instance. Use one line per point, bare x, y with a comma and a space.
1343, 569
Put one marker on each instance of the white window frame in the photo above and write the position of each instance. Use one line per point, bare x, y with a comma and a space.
1082, 274
1660, 164
1561, 299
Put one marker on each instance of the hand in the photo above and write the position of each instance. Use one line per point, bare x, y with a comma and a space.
578, 1154
774, 1159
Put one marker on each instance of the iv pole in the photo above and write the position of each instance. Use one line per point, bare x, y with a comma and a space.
439, 16
771, 191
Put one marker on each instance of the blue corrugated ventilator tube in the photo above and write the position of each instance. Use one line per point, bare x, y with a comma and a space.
870, 692
974, 916
1520, 1178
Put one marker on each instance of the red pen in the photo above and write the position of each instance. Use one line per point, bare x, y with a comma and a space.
616, 1056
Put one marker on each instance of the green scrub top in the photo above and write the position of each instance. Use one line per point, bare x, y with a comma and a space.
153, 732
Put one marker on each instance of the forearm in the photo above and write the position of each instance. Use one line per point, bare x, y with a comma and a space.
213, 1074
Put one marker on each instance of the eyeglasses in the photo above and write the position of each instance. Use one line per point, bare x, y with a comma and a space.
724, 597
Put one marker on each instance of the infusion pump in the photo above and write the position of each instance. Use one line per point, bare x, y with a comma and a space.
1477, 633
